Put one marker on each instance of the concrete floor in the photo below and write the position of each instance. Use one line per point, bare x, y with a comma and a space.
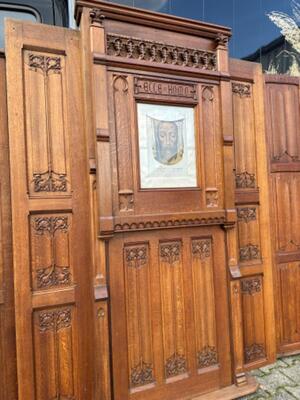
279, 381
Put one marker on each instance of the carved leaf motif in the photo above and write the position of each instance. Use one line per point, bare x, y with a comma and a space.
55, 320
245, 180
249, 252
175, 365
44, 63
136, 257
170, 252
156, 52
142, 374
254, 352
207, 357
246, 214
49, 181
201, 248
285, 157
241, 89
251, 286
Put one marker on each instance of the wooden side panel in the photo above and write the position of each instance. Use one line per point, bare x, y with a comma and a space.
50, 214
8, 374
252, 200
283, 130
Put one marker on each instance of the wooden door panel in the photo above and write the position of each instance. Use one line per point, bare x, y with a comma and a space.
50, 214
175, 330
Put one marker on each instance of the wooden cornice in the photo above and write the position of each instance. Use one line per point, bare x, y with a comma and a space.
152, 19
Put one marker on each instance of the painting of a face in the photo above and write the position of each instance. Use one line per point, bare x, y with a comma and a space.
167, 149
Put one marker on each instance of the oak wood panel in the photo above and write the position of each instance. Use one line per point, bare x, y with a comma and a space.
50, 217
252, 200
8, 374
282, 103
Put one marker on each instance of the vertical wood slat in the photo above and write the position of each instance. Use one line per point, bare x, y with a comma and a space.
43, 203
8, 375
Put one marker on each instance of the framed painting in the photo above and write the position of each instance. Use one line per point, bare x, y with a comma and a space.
167, 151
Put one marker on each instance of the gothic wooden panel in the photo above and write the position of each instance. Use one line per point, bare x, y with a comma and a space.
53, 347
282, 101
257, 339
46, 123
8, 375
171, 288
50, 213
253, 319
204, 302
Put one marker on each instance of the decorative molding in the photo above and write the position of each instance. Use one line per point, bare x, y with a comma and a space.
285, 157
49, 181
212, 198
97, 16
46, 64
157, 52
208, 93
245, 180
201, 248
241, 89
136, 257
55, 320
52, 275
291, 245
142, 374
126, 200
222, 40
148, 225
246, 214
170, 252
207, 357
148, 86
251, 285
249, 252
175, 365
254, 352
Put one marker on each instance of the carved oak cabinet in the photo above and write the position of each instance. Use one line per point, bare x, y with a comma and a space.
141, 244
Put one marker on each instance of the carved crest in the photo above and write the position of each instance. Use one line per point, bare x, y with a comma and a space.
175, 365
55, 320
245, 180
142, 374
207, 357
241, 89
249, 252
251, 286
254, 352
246, 214
170, 252
201, 248
157, 52
136, 257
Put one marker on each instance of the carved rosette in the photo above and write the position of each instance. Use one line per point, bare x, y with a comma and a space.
52, 275
142, 374
207, 357
170, 252
157, 52
249, 252
251, 286
241, 89
55, 320
45, 64
201, 248
245, 180
175, 365
136, 257
246, 214
254, 352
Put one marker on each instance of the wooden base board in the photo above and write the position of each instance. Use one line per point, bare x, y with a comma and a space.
230, 392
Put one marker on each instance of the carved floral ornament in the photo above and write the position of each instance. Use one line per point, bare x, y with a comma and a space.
45, 64
241, 89
175, 365
170, 252
136, 257
207, 357
55, 320
254, 352
251, 286
157, 52
141, 374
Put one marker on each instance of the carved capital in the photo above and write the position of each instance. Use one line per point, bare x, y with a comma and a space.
97, 16
222, 40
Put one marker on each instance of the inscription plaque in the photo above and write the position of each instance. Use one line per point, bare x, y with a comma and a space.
162, 88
